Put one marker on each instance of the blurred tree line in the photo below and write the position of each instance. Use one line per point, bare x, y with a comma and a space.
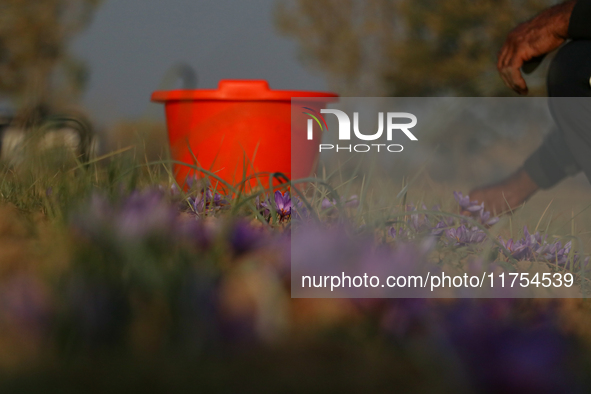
422, 48
406, 47
36, 67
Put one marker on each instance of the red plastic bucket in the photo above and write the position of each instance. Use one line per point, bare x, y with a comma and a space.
242, 130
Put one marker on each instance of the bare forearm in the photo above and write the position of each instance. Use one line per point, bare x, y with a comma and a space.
556, 19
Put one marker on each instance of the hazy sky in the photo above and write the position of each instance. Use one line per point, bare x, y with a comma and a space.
132, 43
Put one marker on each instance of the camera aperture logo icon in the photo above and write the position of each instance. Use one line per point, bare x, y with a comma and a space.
315, 116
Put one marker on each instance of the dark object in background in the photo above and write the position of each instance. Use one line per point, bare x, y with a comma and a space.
53, 129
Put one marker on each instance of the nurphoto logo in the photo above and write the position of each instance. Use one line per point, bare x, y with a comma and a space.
392, 125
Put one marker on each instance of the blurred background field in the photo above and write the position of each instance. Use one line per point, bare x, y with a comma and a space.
112, 279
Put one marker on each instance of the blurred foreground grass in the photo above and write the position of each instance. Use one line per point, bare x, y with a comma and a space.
112, 279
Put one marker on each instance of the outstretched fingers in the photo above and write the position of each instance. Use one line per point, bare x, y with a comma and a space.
512, 77
509, 66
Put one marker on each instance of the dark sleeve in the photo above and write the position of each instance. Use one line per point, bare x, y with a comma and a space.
552, 162
579, 26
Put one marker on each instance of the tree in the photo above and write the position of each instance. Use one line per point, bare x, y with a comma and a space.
405, 47
35, 66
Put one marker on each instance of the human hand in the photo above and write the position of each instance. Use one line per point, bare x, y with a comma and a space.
532, 39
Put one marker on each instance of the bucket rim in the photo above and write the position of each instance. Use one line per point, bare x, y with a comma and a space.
241, 90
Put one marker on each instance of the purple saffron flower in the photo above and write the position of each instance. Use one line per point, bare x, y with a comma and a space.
263, 206
556, 253
504, 354
283, 205
442, 226
401, 234
138, 217
191, 180
463, 235
196, 203
174, 190
299, 209
327, 204
244, 237
352, 202
418, 222
197, 232
207, 200
476, 209
144, 213
519, 250
534, 247
466, 204
484, 218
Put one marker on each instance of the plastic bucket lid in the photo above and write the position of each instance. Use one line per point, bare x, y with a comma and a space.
239, 90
